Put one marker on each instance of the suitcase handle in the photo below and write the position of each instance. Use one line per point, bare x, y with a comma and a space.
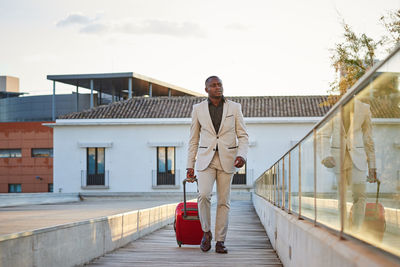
184, 194
377, 190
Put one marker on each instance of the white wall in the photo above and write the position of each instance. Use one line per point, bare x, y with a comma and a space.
132, 155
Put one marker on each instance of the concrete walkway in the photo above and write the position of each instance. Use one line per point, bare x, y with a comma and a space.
247, 242
27, 218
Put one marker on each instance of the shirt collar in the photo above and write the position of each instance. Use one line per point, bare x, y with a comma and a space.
222, 100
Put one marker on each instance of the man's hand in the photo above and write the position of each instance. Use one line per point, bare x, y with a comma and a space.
329, 162
372, 175
239, 162
190, 177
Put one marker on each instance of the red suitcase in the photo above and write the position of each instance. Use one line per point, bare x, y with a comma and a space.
187, 222
374, 224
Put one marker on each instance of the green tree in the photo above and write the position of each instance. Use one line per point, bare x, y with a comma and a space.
391, 23
352, 57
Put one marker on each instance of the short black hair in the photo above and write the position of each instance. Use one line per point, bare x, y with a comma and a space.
211, 77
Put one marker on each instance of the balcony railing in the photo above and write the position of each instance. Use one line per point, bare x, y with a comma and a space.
239, 179
328, 177
95, 181
165, 180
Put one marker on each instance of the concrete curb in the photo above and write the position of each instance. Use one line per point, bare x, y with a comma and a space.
23, 199
300, 243
79, 242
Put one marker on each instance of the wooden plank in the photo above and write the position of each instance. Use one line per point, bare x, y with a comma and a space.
246, 241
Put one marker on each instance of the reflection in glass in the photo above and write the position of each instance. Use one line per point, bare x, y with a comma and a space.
286, 180
42, 152
380, 224
100, 160
270, 182
328, 171
275, 183
10, 153
171, 159
161, 159
307, 177
280, 183
357, 145
294, 180
91, 160
95, 166
166, 166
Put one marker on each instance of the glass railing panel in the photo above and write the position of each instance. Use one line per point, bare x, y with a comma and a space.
280, 183
375, 148
266, 186
259, 189
307, 177
328, 166
270, 184
276, 184
346, 192
294, 180
286, 184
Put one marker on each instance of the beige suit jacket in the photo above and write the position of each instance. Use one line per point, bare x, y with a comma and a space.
232, 137
358, 139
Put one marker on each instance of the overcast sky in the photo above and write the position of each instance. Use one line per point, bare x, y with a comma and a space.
257, 47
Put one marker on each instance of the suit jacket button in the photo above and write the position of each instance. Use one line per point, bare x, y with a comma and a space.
217, 137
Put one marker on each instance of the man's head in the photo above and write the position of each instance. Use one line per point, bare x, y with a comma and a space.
214, 87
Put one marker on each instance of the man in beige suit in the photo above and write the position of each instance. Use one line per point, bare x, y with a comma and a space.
218, 143
358, 154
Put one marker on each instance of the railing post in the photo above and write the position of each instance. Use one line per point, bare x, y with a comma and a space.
290, 188
283, 184
342, 204
299, 181
315, 174
274, 183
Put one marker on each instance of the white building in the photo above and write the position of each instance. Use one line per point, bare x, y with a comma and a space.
140, 145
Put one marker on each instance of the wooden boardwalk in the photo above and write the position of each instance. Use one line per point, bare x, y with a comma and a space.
246, 241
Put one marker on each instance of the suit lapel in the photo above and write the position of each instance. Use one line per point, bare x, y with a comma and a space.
208, 117
224, 112
351, 115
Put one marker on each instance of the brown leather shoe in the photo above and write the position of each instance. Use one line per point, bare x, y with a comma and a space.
206, 241
220, 247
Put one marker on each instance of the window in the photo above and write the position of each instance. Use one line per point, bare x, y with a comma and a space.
95, 166
240, 176
42, 152
50, 188
165, 165
14, 188
10, 153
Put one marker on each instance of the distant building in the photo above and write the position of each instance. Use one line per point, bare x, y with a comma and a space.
9, 84
140, 144
26, 146
26, 157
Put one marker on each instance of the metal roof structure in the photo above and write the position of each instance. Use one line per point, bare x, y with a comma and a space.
123, 85
120, 84
10, 94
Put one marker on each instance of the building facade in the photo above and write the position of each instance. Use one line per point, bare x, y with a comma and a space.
26, 146
26, 157
140, 145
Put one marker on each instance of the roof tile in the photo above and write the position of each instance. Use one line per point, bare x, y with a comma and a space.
181, 107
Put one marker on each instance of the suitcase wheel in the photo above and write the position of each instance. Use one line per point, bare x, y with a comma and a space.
179, 243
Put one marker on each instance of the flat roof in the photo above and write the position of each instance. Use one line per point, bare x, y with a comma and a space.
107, 82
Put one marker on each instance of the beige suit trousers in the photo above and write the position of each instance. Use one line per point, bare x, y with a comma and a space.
206, 180
357, 180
